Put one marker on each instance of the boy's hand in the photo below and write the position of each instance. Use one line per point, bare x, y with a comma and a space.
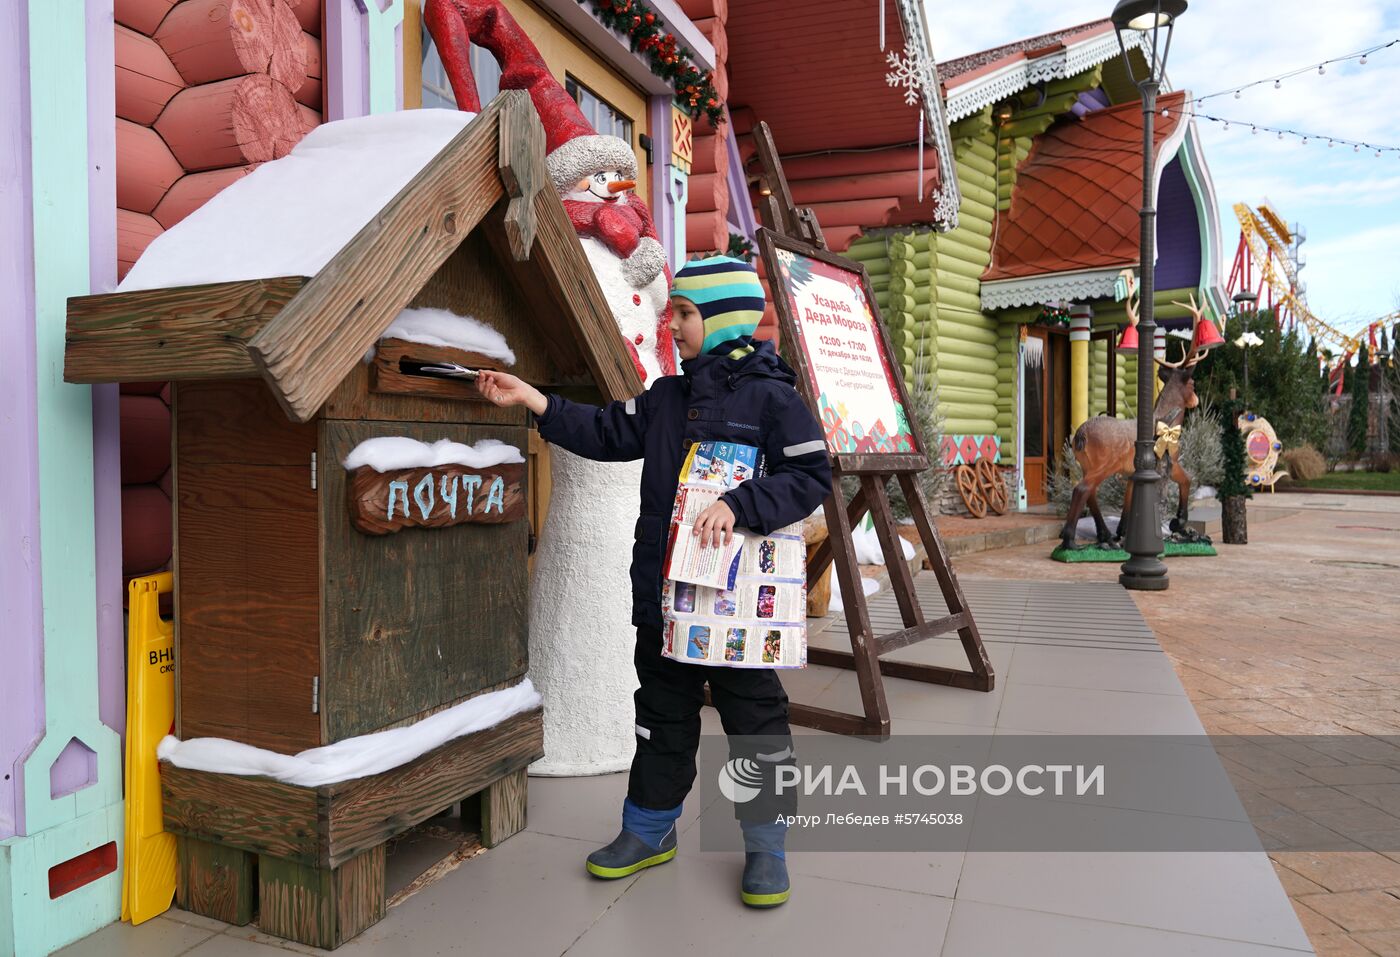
715, 525
504, 389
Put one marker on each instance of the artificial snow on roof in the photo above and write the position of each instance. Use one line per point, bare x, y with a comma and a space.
439, 327
290, 216
391, 453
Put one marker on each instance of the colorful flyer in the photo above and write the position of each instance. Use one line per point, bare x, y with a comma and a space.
744, 606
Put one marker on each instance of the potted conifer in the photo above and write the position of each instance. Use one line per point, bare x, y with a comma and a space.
1233, 490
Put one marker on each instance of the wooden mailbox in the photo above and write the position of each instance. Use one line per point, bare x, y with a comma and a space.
305, 615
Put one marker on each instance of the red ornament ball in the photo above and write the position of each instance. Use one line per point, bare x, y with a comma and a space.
651, 18
636, 301
640, 339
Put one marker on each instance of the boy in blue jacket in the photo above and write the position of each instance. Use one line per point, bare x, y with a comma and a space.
733, 388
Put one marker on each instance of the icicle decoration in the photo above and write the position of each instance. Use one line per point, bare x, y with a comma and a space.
921, 155
913, 73
882, 23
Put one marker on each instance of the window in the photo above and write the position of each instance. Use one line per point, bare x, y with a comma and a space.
604, 118
437, 90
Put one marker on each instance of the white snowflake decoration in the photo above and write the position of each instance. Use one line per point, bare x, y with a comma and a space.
912, 71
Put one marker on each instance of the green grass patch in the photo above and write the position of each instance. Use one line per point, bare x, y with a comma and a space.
1092, 553
1354, 481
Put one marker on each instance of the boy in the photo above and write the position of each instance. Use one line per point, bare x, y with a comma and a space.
732, 389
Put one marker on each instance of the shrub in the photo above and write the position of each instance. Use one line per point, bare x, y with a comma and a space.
1303, 463
1385, 462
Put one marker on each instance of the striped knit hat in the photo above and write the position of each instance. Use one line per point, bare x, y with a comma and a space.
729, 296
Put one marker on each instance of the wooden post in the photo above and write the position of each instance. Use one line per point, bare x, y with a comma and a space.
320, 906
503, 808
215, 880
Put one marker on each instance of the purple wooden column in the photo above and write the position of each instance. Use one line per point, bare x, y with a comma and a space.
659, 117
21, 678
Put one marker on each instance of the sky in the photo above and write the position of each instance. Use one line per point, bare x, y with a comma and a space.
1349, 203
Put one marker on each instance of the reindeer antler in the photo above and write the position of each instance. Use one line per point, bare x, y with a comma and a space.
1197, 316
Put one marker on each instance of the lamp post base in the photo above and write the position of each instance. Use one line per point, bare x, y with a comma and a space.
1147, 578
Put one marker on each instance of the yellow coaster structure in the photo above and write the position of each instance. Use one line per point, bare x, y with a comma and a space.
148, 879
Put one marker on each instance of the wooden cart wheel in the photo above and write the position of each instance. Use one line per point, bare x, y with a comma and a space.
993, 488
968, 489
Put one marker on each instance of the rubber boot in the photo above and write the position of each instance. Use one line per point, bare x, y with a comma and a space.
765, 882
628, 854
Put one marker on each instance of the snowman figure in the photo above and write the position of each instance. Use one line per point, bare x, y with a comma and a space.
581, 639
594, 175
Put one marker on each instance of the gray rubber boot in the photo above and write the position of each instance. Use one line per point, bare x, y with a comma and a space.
765, 881
628, 854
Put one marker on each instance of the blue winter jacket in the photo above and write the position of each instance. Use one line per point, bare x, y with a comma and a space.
750, 400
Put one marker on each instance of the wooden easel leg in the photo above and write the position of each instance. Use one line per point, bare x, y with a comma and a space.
857, 614
320, 906
901, 581
948, 584
503, 808
214, 881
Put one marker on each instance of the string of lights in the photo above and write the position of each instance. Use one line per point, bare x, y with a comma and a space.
1306, 138
1360, 56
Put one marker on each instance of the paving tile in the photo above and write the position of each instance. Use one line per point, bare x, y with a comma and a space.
1104, 669
1359, 910
1093, 711
226, 945
154, 938
194, 920
1386, 943
530, 895
1346, 870
1210, 894
590, 808
990, 930
919, 701
1344, 945
1319, 798
1294, 884
695, 908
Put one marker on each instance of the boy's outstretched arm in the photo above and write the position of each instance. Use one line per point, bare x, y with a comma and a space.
798, 475
613, 433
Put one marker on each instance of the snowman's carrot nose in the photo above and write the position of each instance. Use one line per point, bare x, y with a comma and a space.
620, 185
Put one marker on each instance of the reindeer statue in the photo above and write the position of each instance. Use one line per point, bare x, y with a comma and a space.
1104, 446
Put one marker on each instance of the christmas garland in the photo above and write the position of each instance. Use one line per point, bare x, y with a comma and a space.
1053, 316
643, 28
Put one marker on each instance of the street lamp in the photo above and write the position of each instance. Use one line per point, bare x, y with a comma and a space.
1143, 570
1242, 299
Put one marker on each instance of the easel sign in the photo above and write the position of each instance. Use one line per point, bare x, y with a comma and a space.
827, 312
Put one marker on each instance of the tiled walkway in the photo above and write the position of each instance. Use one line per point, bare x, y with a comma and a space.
530, 896
1297, 633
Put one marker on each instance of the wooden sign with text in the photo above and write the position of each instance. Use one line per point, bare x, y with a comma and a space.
385, 502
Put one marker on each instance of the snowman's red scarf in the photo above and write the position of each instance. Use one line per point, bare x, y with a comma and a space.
619, 225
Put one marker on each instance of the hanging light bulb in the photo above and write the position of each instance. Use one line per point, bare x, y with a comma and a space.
1330, 144
1253, 128
1305, 141
1356, 148
1280, 134
1278, 84
1237, 94
1227, 124
1378, 154
1321, 69
1363, 59
1166, 111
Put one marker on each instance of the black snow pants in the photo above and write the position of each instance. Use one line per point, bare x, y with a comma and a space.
751, 703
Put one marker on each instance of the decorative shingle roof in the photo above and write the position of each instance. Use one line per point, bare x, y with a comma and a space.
1077, 195
953, 71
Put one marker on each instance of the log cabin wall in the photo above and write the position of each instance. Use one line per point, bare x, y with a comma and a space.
205, 90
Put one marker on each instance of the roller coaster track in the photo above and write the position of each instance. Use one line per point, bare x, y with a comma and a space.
1266, 239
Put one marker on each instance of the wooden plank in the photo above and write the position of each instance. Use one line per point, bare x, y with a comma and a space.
387, 374
354, 400
319, 906
503, 807
256, 434
520, 158
369, 811
414, 620
306, 351
215, 881
190, 332
248, 592
915, 633
252, 814
382, 503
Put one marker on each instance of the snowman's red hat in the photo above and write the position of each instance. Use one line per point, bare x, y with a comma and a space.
574, 150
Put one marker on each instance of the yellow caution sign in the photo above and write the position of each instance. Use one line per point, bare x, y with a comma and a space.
148, 881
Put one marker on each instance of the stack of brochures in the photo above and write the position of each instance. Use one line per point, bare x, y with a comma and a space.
741, 605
